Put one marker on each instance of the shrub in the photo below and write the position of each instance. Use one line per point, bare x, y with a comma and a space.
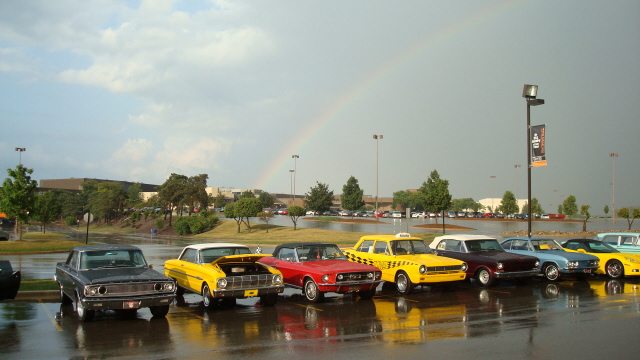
159, 223
70, 221
195, 224
182, 225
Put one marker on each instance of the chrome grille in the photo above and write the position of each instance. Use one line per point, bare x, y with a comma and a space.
249, 281
444, 268
354, 276
131, 289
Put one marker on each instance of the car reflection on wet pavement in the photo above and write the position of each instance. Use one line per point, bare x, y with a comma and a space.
535, 320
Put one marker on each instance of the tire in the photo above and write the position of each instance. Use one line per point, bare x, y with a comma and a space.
367, 294
551, 272
269, 299
311, 291
179, 289
208, 300
484, 277
83, 314
229, 302
64, 299
403, 283
614, 269
159, 312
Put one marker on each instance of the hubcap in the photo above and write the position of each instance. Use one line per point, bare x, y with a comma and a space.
402, 282
484, 277
552, 272
311, 290
614, 269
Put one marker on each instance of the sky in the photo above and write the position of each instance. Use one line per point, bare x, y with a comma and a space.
137, 90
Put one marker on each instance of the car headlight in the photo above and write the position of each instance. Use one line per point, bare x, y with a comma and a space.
464, 267
370, 275
277, 279
596, 263
378, 275
169, 286
632, 260
222, 283
572, 264
500, 266
537, 263
325, 278
423, 269
340, 276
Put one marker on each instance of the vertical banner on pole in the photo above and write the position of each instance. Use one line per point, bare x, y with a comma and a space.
538, 156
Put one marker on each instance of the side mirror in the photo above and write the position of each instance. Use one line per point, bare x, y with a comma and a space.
151, 266
582, 251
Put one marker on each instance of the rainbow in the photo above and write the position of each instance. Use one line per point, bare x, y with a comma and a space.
282, 161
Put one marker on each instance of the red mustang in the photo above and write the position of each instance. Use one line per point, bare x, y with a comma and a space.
317, 268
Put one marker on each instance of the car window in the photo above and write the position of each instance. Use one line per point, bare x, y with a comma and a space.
442, 245
381, 248
111, 258
210, 255
611, 240
483, 245
453, 245
546, 245
73, 260
366, 246
287, 254
626, 240
507, 245
419, 247
319, 252
189, 255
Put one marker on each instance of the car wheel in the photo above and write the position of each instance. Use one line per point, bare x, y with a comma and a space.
403, 283
64, 299
83, 314
484, 277
367, 294
615, 270
311, 291
179, 289
269, 299
208, 300
158, 312
551, 272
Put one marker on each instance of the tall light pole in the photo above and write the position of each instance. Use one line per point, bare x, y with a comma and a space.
613, 157
530, 92
376, 138
295, 158
493, 189
517, 182
291, 186
20, 157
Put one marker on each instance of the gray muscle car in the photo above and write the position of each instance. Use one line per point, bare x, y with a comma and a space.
112, 277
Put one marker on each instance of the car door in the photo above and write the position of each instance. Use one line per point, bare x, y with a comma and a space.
287, 263
69, 270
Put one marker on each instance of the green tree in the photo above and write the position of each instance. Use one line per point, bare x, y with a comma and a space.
266, 200
171, 193
606, 210
319, 198
559, 208
509, 204
536, 209
246, 208
295, 212
219, 201
463, 204
72, 203
247, 194
569, 206
134, 196
629, 215
351, 198
18, 196
195, 193
584, 210
266, 217
435, 193
231, 213
107, 202
48, 208
407, 199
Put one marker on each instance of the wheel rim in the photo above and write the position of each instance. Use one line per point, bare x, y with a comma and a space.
402, 282
552, 272
614, 269
311, 290
206, 295
483, 276
79, 307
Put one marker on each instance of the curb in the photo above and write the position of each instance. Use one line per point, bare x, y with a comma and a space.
29, 296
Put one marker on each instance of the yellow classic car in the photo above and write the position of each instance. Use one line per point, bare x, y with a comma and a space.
613, 263
224, 272
406, 261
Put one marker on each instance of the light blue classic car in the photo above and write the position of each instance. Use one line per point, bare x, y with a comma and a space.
554, 260
625, 242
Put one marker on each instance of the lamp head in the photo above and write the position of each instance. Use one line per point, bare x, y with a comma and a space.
530, 91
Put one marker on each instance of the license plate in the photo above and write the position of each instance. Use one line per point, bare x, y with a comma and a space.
131, 305
248, 293
354, 287
587, 271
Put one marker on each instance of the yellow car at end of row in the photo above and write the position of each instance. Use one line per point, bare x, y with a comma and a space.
613, 263
406, 261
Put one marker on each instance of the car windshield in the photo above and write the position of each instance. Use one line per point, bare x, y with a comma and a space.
546, 245
483, 245
319, 252
90, 260
592, 247
211, 255
410, 247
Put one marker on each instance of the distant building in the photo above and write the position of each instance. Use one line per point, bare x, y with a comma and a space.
75, 184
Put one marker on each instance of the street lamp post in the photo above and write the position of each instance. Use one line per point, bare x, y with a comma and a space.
613, 157
295, 158
517, 182
493, 189
291, 186
530, 92
20, 150
376, 138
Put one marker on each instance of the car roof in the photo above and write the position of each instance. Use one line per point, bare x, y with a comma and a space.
214, 246
526, 238
464, 237
106, 247
388, 237
619, 233
299, 244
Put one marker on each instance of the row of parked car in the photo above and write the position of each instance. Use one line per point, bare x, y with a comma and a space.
117, 277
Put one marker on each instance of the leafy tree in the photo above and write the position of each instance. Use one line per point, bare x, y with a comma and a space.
266, 200
435, 193
219, 201
509, 204
265, 216
72, 203
204, 221
195, 194
536, 209
319, 198
606, 210
294, 213
107, 202
407, 199
18, 196
630, 216
569, 206
351, 199
559, 208
247, 194
584, 210
171, 193
246, 208
134, 196
231, 213
48, 208
463, 204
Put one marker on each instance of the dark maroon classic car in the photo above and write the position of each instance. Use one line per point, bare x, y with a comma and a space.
487, 260
318, 268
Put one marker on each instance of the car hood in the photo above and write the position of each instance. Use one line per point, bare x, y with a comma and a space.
337, 266
502, 255
430, 259
111, 275
570, 256
245, 258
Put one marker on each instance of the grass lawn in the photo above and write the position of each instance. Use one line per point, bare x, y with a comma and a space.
228, 230
37, 245
38, 285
